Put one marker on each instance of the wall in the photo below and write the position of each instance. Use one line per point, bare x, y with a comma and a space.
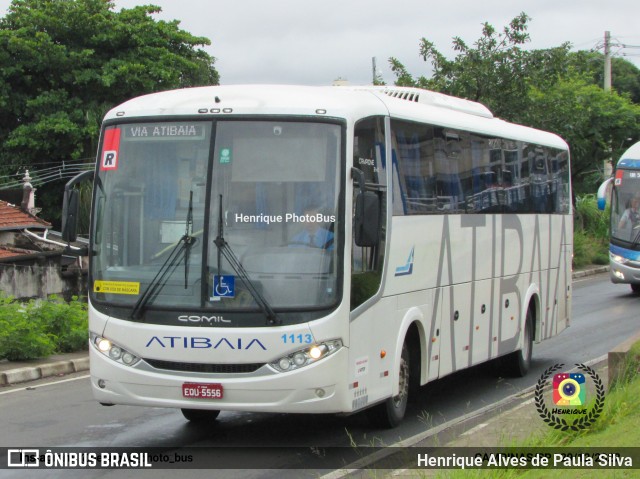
39, 276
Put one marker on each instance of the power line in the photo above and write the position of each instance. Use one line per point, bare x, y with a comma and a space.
615, 43
64, 166
52, 164
49, 175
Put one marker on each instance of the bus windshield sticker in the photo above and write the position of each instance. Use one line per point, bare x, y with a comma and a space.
619, 175
110, 148
225, 156
224, 286
116, 287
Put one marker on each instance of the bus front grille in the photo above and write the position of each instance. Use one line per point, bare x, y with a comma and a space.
204, 368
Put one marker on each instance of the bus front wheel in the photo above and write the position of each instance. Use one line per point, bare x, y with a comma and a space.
635, 287
200, 415
391, 412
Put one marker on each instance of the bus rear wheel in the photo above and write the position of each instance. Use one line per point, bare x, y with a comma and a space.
200, 415
391, 412
517, 364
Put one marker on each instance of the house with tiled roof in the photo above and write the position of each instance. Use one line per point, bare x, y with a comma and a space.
12, 217
30, 263
13, 223
16, 221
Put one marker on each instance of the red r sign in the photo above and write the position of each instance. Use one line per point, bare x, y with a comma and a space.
110, 147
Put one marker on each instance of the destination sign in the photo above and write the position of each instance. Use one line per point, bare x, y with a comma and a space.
173, 131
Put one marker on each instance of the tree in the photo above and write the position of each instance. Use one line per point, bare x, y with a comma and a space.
64, 63
625, 76
598, 125
495, 71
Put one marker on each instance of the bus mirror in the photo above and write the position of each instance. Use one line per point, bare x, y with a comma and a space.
367, 219
603, 194
70, 207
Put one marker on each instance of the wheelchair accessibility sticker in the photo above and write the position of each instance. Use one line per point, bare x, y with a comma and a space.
224, 286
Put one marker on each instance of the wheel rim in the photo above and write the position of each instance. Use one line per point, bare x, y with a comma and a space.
403, 389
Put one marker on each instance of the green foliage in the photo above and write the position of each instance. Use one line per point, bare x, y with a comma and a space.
495, 71
591, 120
40, 328
588, 218
591, 233
588, 250
20, 336
631, 368
68, 322
625, 76
363, 286
65, 63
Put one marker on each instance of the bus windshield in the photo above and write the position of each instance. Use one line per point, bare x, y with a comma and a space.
268, 189
625, 204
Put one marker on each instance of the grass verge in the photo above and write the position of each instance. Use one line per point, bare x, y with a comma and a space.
618, 426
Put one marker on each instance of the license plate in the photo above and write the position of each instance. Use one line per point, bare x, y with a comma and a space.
202, 391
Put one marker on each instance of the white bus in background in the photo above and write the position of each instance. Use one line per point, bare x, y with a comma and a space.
318, 249
624, 241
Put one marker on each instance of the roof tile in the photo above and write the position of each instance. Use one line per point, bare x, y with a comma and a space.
13, 218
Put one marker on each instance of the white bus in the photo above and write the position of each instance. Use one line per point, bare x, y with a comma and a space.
318, 249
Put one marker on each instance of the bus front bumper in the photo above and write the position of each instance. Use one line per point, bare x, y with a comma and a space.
318, 388
622, 273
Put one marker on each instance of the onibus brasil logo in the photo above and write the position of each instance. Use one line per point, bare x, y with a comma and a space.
569, 398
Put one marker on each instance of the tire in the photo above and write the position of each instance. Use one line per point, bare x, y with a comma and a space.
635, 287
200, 415
391, 412
517, 364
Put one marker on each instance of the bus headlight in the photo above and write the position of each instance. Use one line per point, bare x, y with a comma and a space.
304, 357
618, 259
113, 351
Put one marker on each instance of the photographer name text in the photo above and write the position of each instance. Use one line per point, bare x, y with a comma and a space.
525, 460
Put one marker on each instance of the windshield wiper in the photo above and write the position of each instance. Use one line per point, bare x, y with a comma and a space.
188, 239
225, 250
181, 250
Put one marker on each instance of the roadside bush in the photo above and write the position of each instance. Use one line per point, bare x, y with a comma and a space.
588, 250
68, 322
20, 337
40, 328
591, 233
588, 218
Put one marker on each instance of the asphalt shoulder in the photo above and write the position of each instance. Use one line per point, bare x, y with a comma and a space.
15, 372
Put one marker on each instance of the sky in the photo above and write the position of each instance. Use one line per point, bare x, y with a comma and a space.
316, 42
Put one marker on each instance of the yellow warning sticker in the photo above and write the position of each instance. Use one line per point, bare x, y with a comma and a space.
116, 287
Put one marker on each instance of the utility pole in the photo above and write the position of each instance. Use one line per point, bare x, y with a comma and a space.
607, 165
607, 61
